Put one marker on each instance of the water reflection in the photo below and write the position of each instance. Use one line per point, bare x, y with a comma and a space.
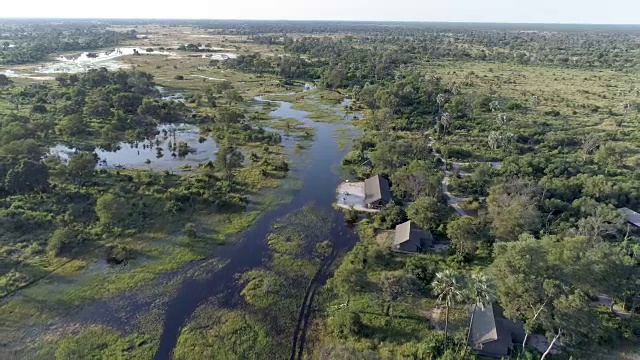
175, 146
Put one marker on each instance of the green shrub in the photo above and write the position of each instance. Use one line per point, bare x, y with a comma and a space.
190, 230
615, 330
514, 106
60, 239
350, 216
118, 254
103, 343
390, 216
354, 158
345, 324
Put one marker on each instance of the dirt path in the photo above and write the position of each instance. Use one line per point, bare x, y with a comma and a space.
606, 300
305, 325
455, 201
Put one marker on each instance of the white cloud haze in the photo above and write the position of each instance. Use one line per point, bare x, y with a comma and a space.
548, 11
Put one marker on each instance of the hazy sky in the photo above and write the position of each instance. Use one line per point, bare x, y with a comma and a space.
550, 11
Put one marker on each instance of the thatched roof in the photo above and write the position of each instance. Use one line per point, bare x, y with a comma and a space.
376, 189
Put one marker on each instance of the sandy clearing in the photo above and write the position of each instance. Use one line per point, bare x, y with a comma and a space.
350, 195
208, 78
13, 74
220, 56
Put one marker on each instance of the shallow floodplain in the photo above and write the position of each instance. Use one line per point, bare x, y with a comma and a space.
298, 243
82, 293
157, 153
124, 292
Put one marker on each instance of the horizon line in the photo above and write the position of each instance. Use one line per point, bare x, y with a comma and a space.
319, 20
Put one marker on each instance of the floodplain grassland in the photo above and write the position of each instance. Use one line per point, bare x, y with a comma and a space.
565, 102
167, 242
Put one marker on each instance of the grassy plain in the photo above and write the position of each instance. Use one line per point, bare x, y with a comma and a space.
543, 99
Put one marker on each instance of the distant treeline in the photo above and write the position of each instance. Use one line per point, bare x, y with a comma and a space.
31, 43
565, 45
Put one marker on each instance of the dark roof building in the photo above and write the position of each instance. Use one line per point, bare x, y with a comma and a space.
493, 335
376, 191
631, 216
410, 238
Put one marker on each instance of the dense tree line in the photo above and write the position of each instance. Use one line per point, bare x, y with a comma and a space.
31, 43
288, 67
333, 63
607, 48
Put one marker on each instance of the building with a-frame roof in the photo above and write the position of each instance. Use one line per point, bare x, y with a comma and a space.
410, 238
377, 192
492, 334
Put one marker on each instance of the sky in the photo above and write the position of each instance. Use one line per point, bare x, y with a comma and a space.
514, 11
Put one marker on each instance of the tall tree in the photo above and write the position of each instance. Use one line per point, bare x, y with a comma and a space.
228, 159
27, 176
423, 267
512, 213
481, 292
466, 234
5, 81
415, 180
427, 212
520, 270
608, 264
112, 210
446, 122
396, 286
572, 318
349, 279
449, 287
590, 143
543, 282
611, 155
81, 167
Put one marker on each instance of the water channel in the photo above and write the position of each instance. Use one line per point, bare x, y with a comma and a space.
320, 174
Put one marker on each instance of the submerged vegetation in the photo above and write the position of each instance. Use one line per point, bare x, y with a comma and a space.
273, 294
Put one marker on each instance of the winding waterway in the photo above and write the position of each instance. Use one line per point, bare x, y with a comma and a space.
320, 175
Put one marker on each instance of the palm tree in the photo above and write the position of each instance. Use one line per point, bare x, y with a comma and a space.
494, 106
481, 292
448, 285
446, 121
441, 99
503, 119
